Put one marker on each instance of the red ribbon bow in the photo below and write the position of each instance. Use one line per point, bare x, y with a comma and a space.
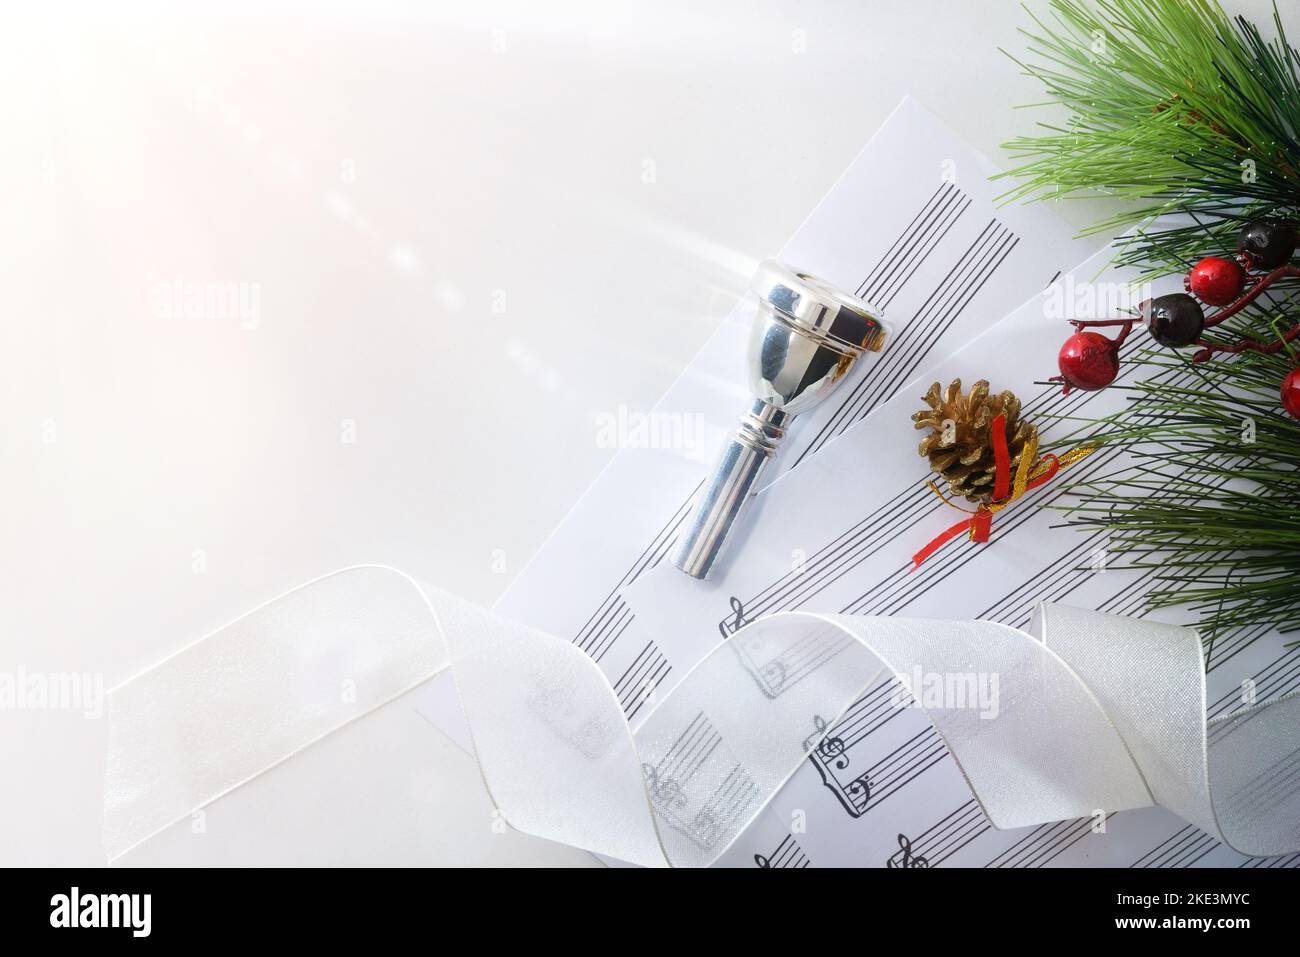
1030, 473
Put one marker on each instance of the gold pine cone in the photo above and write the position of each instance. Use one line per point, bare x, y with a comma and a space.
960, 443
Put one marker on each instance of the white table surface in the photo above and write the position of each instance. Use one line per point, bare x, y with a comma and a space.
472, 228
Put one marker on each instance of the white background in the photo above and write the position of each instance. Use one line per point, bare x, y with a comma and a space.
472, 228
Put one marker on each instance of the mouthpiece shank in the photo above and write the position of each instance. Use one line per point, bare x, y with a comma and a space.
729, 488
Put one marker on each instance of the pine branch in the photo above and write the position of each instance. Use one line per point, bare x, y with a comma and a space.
1193, 120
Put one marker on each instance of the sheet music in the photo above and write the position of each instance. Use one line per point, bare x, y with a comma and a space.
912, 227
881, 788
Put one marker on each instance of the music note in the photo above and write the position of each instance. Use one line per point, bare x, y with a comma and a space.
830, 749
859, 789
762, 861
706, 826
663, 790
729, 626
904, 857
819, 728
833, 749
774, 675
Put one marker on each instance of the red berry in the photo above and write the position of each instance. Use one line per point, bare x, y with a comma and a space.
1216, 281
1089, 361
1291, 393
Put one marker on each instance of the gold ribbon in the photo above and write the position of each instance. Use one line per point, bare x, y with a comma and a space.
1031, 472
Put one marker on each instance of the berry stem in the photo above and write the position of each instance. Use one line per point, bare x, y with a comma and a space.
1081, 324
1066, 385
1250, 295
1245, 345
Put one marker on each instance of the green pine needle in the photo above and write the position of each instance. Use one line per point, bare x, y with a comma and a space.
1172, 106
1209, 501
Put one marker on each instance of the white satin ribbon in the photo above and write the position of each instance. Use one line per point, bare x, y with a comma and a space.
1099, 713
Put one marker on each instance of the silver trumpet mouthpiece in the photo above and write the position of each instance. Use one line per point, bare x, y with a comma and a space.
806, 336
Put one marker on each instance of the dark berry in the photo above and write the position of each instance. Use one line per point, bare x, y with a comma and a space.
1216, 281
1089, 361
1174, 320
1291, 393
1268, 243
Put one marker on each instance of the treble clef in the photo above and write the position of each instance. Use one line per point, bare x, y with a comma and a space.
819, 728
829, 749
907, 859
732, 624
662, 790
832, 749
